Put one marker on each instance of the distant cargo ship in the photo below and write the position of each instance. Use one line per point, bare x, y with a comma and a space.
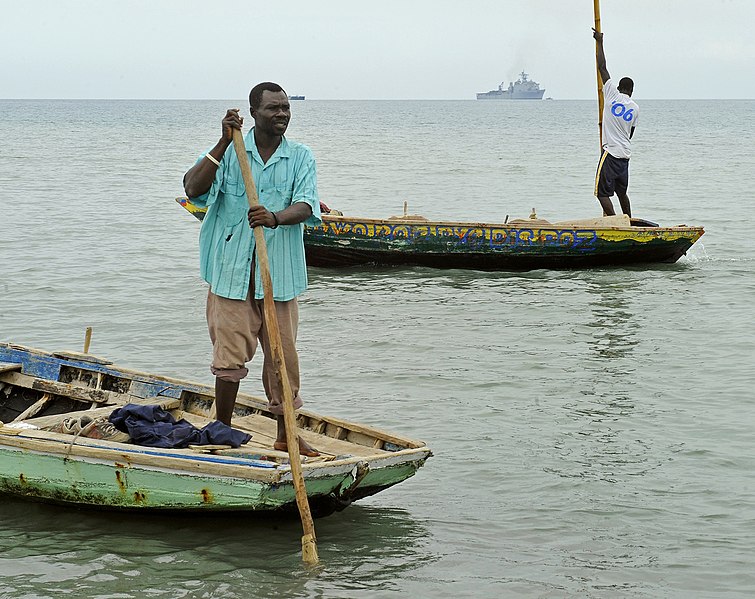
296, 97
521, 89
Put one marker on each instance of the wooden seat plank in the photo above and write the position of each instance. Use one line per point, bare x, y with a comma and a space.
79, 393
266, 427
9, 367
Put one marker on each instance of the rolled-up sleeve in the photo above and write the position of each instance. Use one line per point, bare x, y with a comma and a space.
305, 187
207, 199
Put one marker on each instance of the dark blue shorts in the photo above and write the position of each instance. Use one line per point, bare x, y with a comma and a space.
612, 176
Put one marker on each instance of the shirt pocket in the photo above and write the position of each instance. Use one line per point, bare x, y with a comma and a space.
282, 195
232, 183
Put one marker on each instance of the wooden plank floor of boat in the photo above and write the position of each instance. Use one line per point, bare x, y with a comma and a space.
263, 431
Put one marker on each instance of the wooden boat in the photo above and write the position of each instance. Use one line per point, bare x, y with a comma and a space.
38, 390
521, 244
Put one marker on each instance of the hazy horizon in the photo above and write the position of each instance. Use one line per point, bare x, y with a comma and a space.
423, 50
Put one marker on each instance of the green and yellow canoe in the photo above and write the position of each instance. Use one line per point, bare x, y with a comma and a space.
521, 244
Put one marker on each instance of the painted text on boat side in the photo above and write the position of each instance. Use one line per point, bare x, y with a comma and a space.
470, 237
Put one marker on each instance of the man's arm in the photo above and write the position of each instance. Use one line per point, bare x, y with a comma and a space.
601, 56
297, 212
198, 179
291, 215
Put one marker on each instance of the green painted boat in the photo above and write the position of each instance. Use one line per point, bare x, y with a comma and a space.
39, 390
516, 245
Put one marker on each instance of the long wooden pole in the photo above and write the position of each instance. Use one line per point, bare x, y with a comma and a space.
309, 540
596, 11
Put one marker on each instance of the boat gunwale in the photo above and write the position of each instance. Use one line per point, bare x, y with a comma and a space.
516, 225
51, 443
521, 224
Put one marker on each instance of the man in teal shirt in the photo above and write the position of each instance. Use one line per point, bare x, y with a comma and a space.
286, 179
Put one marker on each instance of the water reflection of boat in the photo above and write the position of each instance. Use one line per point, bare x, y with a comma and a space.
520, 244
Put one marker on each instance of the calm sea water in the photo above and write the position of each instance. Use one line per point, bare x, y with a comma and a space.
592, 430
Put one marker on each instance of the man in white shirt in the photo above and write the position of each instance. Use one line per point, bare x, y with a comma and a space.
620, 114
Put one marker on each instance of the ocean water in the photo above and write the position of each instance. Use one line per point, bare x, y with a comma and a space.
592, 429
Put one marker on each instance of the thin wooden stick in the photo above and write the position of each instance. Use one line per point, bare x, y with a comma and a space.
596, 11
87, 339
34, 409
309, 540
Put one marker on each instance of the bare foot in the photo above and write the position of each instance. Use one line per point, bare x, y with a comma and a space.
305, 448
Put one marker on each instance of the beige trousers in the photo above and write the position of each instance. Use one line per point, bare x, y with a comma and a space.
236, 326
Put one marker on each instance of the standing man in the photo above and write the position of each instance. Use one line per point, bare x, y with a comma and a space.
285, 176
620, 115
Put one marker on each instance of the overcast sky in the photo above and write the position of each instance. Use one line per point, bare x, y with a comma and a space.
385, 49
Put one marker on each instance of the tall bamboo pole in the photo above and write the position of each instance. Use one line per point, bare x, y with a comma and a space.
309, 540
596, 11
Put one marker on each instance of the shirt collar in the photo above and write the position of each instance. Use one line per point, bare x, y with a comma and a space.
283, 150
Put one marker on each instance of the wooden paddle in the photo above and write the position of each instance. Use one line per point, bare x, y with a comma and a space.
309, 540
596, 11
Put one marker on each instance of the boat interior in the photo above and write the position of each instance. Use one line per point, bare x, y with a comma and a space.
31, 402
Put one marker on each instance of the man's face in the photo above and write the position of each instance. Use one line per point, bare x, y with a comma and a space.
273, 114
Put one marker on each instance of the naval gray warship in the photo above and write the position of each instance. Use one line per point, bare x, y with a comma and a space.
521, 89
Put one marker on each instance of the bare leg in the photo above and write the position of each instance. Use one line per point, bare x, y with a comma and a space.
225, 399
282, 445
607, 206
624, 201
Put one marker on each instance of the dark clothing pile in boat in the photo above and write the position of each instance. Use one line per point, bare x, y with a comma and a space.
154, 426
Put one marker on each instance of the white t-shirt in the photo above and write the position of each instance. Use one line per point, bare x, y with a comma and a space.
620, 114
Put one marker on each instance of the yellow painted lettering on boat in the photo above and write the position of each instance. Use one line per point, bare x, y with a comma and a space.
641, 236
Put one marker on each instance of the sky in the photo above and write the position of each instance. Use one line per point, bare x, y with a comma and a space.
387, 49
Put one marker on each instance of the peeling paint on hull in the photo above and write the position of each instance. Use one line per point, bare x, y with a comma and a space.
56, 479
50, 481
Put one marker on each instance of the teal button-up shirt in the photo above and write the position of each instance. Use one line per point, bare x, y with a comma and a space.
226, 241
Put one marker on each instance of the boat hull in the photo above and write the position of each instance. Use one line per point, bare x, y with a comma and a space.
505, 95
347, 242
115, 484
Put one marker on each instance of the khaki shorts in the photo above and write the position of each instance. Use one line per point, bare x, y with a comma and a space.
235, 328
